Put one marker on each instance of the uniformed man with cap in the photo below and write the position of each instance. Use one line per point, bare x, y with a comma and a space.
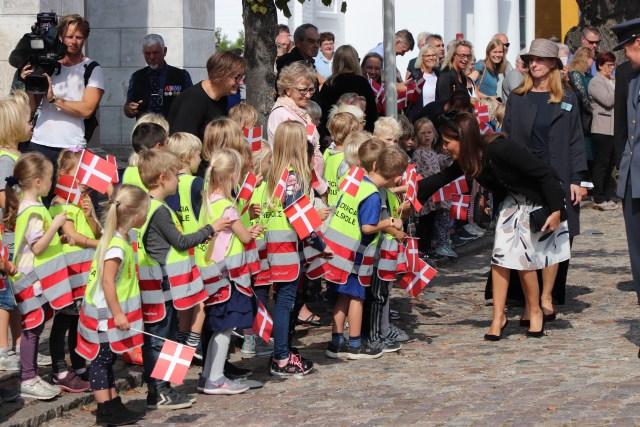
628, 34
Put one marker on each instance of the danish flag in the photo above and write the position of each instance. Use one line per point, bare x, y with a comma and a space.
378, 91
253, 137
67, 188
111, 159
413, 255
402, 99
173, 362
263, 323
303, 217
311, 129
412, 190
485, 128
351, 182
246, 191
315, 181
482, 112
412, 96
460, 206
459, 186
442, 194
95, 171
281, 188
415, 281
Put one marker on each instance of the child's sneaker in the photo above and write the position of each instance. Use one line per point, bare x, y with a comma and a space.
263, 348
36, 388
9, 361
363, 352
295, 367
396, 334
385, 345
336, 351
71, 383
167, 398
224, 386
43, 360
249, 345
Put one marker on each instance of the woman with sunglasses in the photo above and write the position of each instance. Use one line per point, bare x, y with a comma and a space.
544, 115
521, 183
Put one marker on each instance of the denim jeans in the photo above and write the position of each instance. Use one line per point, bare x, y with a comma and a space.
166, 328
285, 298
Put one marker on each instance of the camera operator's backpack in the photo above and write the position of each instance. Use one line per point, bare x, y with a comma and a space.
91, 123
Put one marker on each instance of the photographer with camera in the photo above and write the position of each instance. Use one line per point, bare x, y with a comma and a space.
71, 96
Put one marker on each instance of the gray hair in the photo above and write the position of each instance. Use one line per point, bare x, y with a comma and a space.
314, 110
563, 48
422, 36
298, 34
423, 50
152, 40
293, 73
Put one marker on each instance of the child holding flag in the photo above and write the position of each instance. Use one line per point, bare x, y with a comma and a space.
82, 230
230, 306
339, 126
38, 257
287, 182
112, 303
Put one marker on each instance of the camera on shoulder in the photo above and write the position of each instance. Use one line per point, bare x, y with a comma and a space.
42, 49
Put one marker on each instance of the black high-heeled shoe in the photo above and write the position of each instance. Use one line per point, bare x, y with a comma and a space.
491, 337
540, 333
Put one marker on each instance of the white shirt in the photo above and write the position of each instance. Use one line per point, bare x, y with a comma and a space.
56, 128
429, 88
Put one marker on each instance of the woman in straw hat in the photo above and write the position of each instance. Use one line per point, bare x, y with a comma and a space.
544, 115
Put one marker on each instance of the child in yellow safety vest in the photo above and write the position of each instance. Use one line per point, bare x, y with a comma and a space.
340, 126
41, 282
169, 278
186, 203
146, 135
353, 234
112, 305
16, 127
231, 306
82, 230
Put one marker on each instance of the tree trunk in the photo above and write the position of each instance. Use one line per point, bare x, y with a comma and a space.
260, 53
602, 14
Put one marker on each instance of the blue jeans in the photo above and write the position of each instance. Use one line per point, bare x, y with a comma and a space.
7, 301
285, 299
152, 346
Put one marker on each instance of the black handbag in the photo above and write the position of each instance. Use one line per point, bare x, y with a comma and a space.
538, 217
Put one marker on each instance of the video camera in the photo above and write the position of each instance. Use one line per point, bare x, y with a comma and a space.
42, 49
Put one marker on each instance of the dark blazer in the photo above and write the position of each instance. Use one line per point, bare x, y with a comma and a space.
620, 128
566, 142
507, 167
345, 83
449, 82
629, 160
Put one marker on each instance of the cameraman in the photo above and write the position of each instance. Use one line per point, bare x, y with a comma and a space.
67, 102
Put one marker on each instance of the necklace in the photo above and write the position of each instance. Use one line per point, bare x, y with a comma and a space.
77, 62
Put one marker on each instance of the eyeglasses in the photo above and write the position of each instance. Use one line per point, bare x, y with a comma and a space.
306, 90
239, 78
593, 42
463, 56
506, 44
610, 65
429, 56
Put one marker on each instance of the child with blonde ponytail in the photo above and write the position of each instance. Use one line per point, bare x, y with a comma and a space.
112, 303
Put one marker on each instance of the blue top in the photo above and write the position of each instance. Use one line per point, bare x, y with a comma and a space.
368, 214
323, 65
489, 85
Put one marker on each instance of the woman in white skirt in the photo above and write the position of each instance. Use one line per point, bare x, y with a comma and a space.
521, 184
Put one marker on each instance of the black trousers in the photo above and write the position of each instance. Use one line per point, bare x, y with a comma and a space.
631, 213
603, 163
65, 325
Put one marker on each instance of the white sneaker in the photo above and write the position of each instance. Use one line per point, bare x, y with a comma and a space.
43, 360
471, 230
479, 229
36, 388
9, 361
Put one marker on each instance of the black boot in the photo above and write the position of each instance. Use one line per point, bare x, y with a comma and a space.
113, 412
118, 405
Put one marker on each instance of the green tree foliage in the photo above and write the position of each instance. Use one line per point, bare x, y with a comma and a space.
224, 44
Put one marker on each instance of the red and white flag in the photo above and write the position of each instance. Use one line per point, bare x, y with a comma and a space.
414, 282
378, 91
442, 194
405, 174
413, 255
351, 182
254, 137
311, 129
95, 171
482, 112
173, 362
460, 206
315, 181
67, 188
263, 323
412, 95
402, 99
281, 188
303, 217
485, 128
111, 159
459, 186
246, 191
412, 190
420, 84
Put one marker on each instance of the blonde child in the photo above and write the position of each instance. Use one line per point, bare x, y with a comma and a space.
388, 130
82, 230
283, 244
16, 127
352, 144
244, 115
221, 132
186, 203
500, 111
315, 112
339, 126
235, 308
113, 297
163, 253
38, 254
145, 136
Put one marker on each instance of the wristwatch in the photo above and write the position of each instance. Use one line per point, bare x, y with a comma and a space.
53, 99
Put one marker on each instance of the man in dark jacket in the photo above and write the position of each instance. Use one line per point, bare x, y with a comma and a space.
154, 87
307, 41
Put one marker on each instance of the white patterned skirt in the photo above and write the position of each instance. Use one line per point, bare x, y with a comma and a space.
517, 248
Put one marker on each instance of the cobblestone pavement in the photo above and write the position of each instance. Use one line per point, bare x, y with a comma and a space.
583, 373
